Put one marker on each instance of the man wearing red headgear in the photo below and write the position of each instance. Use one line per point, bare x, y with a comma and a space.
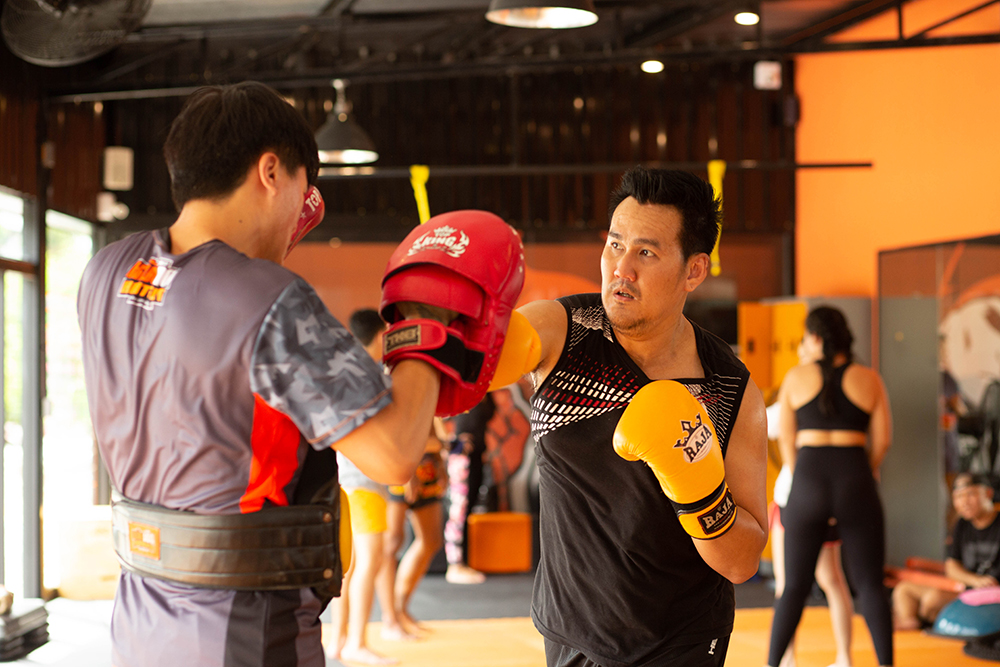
221, 390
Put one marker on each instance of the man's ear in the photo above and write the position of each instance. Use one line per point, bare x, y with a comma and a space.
267, 171
697, 270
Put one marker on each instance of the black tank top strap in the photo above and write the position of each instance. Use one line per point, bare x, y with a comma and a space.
846, 416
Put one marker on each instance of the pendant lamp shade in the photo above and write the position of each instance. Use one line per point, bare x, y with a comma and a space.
542, 13
341, 140
749, 14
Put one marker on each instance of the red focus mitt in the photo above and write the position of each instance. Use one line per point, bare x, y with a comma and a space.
313, 210
469, 262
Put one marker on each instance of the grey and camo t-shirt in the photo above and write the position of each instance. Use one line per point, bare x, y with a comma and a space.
217, 384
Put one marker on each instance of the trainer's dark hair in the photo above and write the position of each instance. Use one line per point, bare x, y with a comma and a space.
691, 196
365, 324
830, 325
223, 130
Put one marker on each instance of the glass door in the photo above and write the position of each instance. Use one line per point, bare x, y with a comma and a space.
76, 542
18, 539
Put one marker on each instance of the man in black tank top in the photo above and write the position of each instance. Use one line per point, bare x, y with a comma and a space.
622, 579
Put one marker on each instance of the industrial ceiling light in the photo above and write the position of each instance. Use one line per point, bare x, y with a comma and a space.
747, 16
340, 139
542, 13
652, 67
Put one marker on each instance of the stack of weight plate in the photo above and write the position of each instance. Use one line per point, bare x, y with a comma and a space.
23, 629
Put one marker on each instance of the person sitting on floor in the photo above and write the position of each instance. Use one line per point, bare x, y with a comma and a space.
972, 555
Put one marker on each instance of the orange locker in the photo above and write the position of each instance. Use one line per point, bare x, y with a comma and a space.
788, 324
769, 335
500, 542
754, 321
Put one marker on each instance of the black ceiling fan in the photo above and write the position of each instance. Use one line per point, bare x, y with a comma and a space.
58, 33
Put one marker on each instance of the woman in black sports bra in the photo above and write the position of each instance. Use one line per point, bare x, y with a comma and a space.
831, 409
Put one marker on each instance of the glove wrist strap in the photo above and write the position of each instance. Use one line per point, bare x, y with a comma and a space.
709, 518
430, 340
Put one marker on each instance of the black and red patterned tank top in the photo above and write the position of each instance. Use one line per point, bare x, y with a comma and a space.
619, 580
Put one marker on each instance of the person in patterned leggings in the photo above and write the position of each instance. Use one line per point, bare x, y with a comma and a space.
465, 475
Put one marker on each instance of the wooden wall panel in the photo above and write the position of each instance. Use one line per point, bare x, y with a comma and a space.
77, 131
18, 119
613, 116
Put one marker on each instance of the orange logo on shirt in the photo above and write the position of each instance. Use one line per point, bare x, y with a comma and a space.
146, 283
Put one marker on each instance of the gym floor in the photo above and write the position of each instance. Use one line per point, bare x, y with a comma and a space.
487, 625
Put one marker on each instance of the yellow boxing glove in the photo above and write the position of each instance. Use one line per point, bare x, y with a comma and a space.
665, 426
345, 532
520, 354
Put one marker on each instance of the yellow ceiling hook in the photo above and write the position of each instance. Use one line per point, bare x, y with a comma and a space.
716, 172
419, 173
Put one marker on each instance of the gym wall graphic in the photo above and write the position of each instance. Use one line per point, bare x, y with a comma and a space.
969, 358
507, 436
510, 481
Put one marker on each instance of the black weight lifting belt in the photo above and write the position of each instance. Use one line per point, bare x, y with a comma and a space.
276, 548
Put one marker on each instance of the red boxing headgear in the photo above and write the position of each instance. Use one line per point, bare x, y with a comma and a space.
313, 210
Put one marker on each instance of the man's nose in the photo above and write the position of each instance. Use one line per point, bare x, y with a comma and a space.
625, 267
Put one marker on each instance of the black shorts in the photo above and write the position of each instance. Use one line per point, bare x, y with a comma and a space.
430, 485
711, 653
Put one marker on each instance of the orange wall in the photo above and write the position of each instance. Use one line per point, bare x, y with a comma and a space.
349, 276
922, 15
928, 120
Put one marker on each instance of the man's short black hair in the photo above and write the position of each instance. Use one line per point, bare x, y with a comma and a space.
223, 130
365, 324
693, 198
964, 479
